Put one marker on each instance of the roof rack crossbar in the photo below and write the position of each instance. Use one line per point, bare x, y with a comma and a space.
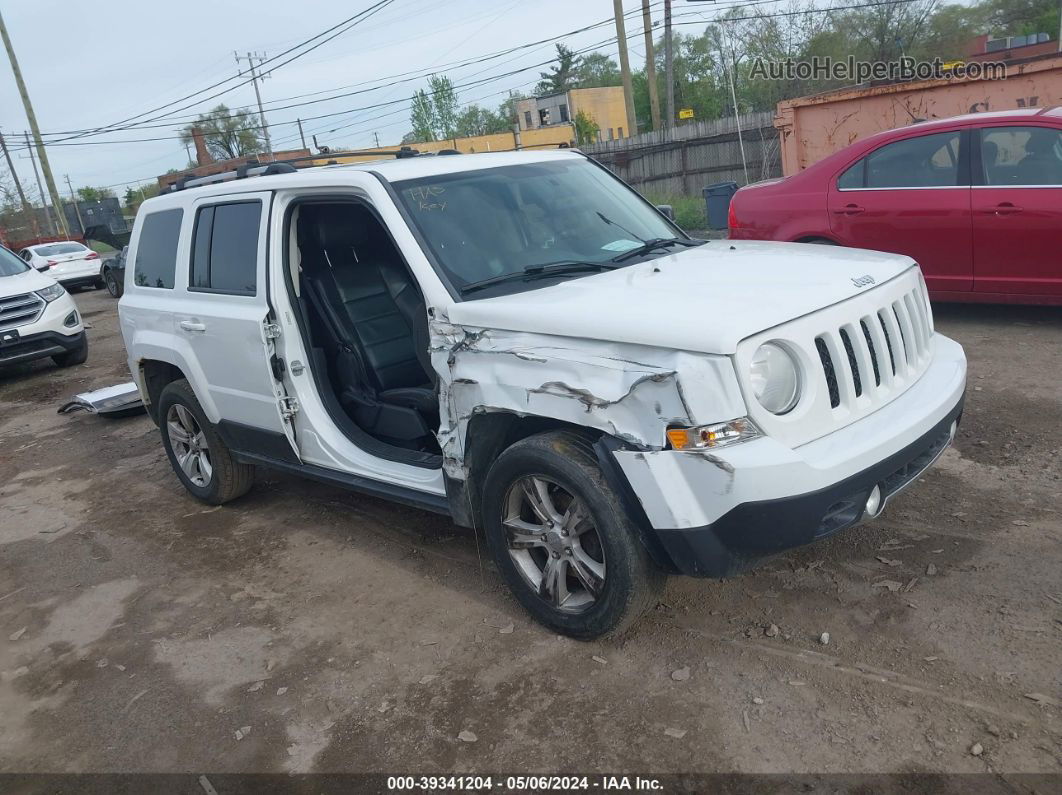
242, 172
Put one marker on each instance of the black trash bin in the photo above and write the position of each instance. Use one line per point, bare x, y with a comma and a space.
717, 198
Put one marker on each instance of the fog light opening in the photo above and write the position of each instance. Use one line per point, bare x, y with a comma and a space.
873, 506
954, 430
71, 320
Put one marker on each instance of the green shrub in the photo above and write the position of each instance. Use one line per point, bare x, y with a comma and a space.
689, 210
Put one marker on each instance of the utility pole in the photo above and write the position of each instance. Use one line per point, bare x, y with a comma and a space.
650, 65
77, 209
32, 118
250, 58
669, 67
40, 189
625, 68
302, 137
737, 111
376, 135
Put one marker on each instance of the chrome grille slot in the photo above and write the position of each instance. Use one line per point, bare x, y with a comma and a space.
19, 310
873, 351
829, 371
888, 340
857, 380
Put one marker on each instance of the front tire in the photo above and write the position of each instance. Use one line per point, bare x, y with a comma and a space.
202, 461
562, 540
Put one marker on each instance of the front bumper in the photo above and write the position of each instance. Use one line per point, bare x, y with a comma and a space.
716, 513
756, 530
39, 346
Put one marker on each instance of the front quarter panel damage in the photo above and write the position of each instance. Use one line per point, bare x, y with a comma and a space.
631, 392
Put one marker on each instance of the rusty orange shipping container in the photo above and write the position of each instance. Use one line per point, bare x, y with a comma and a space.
813, 127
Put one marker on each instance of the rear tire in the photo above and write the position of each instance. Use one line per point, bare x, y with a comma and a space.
71, 358
202, 461
114, 287
562, 540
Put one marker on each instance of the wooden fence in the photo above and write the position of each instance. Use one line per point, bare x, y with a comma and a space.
685, 159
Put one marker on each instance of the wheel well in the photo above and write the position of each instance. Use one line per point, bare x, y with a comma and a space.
817, 239
156, 376
488, 435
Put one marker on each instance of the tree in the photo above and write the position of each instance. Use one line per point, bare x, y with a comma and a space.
586, 129
421, 118
597, 70
444, 105
559, 77
227, 134
90, 194
138, 194
475, 120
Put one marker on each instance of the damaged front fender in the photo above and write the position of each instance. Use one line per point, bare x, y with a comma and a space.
631, 392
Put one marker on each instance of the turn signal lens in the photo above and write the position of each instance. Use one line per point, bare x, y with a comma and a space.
717, 435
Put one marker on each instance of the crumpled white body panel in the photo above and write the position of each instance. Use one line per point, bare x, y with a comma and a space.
632, 392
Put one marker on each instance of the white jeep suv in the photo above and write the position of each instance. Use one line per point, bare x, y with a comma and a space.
38, 318
521, 342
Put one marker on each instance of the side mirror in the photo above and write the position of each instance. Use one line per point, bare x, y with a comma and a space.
667, 210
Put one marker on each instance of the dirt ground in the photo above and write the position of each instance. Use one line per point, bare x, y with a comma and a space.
305, 628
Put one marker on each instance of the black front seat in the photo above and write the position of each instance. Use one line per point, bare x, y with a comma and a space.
383, 380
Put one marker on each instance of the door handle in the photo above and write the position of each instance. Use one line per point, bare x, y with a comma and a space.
191, 325
1003, 208
849, 209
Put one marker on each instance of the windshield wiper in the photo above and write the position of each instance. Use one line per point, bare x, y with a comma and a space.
649, 246
539, 272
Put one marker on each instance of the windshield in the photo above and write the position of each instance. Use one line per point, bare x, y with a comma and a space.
59, 248
496, 221
10, 264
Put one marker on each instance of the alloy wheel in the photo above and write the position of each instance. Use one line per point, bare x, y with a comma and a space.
554, 543
189, 445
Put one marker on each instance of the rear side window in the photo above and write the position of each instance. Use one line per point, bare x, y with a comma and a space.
929, 161
225, 248
156, 250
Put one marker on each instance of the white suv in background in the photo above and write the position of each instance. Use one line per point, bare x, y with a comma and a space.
521, 342
70, 263
38, 317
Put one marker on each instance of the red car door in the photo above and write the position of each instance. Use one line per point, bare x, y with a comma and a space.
911, 196
1017, 208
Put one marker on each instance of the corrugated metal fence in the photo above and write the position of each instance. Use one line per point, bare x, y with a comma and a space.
694, 155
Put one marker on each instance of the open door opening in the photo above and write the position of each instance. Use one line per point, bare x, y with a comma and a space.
364, 320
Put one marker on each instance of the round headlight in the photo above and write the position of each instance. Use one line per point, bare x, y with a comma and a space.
775, 378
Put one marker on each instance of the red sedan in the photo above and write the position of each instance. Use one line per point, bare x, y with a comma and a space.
976, 200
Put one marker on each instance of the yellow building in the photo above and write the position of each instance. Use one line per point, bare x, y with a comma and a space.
604, 105
552, 137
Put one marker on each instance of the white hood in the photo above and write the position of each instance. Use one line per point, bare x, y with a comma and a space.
705, 299
24, 282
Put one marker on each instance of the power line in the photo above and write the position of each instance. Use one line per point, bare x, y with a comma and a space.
387, 81
349, 22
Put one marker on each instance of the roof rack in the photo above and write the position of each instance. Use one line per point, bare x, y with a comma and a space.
291, 165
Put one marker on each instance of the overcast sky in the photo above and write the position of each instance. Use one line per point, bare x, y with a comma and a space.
91, 64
